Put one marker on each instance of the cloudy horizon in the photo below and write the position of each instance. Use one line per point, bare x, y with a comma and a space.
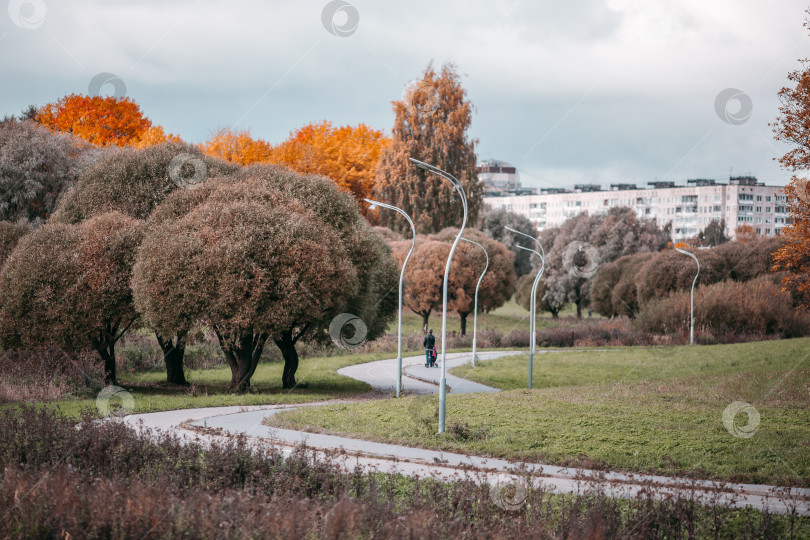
603, 91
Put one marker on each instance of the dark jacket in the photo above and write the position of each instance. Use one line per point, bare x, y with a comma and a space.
430, 341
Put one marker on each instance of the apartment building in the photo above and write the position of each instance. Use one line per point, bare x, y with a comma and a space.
689, 208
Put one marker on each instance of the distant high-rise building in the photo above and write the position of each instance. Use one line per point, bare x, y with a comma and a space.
689, 208
500, 178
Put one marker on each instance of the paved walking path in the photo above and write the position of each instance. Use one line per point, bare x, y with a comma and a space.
217, 423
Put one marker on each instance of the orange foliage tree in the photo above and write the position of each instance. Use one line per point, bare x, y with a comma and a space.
745, 234
348, 155
103, 121
154, 136
431, 124
235, 146
793, 256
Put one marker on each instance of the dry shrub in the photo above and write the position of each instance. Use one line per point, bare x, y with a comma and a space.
103, 480
516, 339
48, 373
730, 311
603, 333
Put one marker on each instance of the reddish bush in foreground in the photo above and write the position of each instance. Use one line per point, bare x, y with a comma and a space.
104, 481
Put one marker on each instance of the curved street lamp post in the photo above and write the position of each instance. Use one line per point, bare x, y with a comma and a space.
401, 278
475, 313
460, 189
533, 300
691, 296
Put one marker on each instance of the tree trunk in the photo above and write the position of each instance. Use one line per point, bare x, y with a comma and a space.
107, 354
463, 317
104, 345
242, 352
173, 352
555, 313
425, 316
286, 345
579, 310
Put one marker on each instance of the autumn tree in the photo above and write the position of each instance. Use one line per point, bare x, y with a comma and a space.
153, 136
792, 127
36, 167
431, 124
348, 155
265, 254
70, 285
714, 234
608, 237
388, 235
375, 301
745, 234
468, 263
523, 295
10, 235
133, 182
424, 275
102, 121
613, 291
493, 223
237, 146
744, 262
671, 271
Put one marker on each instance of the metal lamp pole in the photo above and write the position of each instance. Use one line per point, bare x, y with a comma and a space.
401, 279
691, 296
533, 300
458, 187
475, 313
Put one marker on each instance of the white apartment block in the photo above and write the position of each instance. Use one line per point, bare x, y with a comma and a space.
743, 201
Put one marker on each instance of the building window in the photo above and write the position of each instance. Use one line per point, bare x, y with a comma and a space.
759, 198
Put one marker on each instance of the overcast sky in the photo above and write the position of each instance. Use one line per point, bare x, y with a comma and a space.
589, 91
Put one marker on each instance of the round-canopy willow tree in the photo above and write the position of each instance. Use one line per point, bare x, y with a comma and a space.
70, 285
134, 182
263, 254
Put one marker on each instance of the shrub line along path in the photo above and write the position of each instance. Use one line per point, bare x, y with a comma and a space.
219, 423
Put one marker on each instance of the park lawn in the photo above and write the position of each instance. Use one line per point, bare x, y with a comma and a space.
318, 378
560, 367
625, 409
506, 318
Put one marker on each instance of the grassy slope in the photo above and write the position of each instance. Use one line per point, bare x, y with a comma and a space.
632, 409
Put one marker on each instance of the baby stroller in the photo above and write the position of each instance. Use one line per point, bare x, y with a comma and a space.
433, 356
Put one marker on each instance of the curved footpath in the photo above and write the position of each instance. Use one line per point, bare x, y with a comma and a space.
218, 423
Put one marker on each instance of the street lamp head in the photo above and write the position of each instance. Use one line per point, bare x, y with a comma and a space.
689, 253
372, 205
420, 164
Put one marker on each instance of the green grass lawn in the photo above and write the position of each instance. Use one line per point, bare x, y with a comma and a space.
318, 378
633, 409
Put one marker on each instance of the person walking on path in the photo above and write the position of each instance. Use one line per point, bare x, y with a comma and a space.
429, 342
